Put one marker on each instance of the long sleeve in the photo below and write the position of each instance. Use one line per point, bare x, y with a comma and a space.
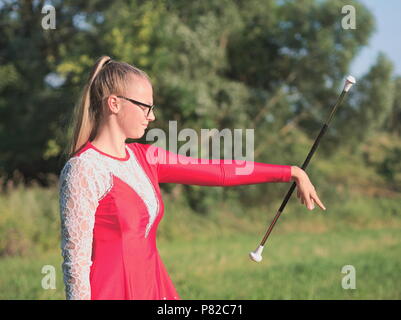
176, 168
78, 203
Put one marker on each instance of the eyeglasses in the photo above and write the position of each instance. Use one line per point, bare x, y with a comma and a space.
139, 103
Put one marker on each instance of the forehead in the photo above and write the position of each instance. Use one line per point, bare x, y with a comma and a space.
140, 88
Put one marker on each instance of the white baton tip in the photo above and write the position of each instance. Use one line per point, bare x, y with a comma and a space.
351, 79
257, 254
349, 82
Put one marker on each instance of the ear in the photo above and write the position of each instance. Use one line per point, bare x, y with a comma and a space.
113, 103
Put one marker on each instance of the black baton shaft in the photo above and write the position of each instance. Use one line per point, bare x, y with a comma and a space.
305, 164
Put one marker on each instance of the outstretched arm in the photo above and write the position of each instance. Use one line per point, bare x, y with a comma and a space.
176, 168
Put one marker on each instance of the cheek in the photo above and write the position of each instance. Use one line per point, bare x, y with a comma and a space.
131, 121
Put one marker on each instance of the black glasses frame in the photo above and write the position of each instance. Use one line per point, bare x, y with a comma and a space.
140, 103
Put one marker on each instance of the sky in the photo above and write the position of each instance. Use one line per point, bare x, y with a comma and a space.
386, 38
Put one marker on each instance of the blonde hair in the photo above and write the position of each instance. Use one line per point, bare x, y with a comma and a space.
106, 77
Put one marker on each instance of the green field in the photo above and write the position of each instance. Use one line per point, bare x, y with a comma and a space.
207, 258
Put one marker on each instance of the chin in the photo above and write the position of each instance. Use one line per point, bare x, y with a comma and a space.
139, 135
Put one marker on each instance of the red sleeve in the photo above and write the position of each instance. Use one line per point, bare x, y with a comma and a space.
176, 168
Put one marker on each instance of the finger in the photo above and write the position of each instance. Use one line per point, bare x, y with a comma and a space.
309, 203
319, 203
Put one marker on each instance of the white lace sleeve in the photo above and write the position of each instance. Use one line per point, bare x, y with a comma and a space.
79, 195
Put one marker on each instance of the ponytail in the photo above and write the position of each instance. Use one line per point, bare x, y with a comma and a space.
82, 120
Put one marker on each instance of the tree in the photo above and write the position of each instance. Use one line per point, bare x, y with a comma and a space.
369, 105
32, 104
272, 66
393, 122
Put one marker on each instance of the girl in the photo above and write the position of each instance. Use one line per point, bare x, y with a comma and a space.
110, 200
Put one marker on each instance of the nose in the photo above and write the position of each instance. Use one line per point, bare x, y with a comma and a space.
151, 116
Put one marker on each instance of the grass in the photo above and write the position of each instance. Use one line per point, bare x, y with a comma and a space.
296, 265
207, 256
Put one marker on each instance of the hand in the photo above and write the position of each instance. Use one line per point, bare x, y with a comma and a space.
305, 190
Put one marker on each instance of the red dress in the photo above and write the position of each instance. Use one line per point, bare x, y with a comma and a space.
110, 209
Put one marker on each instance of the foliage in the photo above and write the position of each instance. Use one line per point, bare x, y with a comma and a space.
271, 66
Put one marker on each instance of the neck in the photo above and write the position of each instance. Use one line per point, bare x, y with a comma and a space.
110, 141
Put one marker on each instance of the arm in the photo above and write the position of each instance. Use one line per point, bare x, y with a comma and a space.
78, 203
176, 168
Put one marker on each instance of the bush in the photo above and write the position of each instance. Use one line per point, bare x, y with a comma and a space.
29, 220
